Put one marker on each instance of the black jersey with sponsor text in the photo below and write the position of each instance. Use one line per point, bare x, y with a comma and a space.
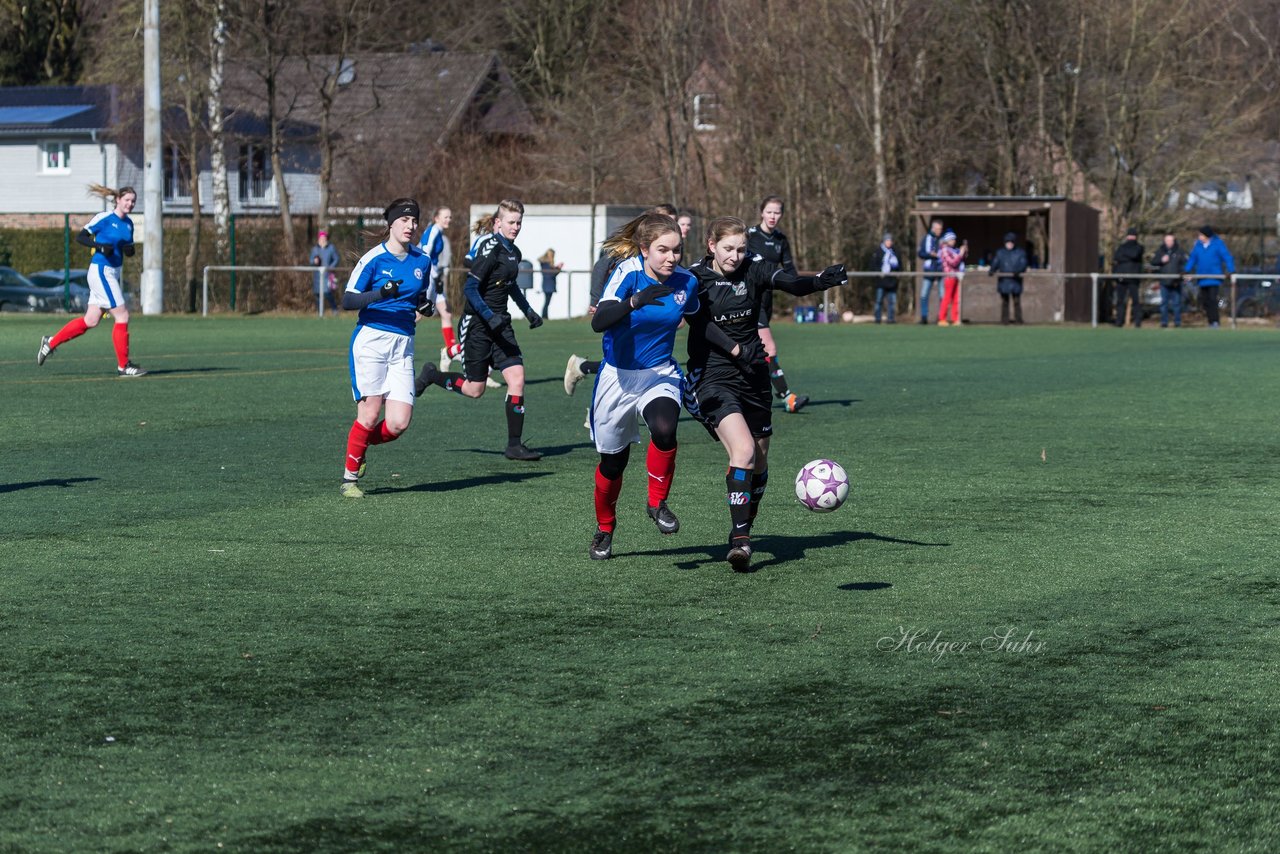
496, 263
732, 303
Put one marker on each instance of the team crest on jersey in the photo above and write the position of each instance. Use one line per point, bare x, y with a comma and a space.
417, 273
681, 296
740, 289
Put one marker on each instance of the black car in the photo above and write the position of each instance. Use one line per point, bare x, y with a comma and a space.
79, 280
18, 293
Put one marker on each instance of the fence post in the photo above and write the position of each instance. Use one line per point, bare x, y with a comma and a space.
66, 261
1093, 277
1233, 300
205, 312
322, 290
232, 235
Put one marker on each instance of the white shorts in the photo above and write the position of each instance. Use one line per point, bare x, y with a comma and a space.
381, 363
104, 286
620, 396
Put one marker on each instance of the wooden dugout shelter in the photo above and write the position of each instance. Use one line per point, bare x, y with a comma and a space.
1063, 238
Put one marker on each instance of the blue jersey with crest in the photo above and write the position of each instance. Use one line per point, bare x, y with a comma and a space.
107, 228
647, 336
379, 266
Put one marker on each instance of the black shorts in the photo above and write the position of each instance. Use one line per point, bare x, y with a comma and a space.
482, 348
709, 398
766, 310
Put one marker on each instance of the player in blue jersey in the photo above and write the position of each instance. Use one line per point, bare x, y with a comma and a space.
110, 235
638, 314
727, 388
488, 341
390, 285
435, 244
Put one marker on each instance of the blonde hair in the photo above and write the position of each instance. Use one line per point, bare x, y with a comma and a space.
723, 227
548, 257
107, 193
484, 224
638, 234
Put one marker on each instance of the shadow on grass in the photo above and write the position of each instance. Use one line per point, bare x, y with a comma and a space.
848, 401
206, 370
865, 585
461, 483
783, 549
550, 451
62, 482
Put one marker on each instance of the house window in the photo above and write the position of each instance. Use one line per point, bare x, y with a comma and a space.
705, 108
55, 158
177, 175
255, 174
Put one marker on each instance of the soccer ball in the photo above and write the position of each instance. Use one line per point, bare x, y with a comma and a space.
822, 486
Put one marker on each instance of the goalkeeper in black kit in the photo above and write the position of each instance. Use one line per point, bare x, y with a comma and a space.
727, 383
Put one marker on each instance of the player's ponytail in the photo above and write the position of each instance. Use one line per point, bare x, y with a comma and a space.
638, 234
725, 226
109, 194
484, 225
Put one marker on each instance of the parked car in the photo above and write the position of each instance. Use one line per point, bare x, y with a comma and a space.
18, 293
1257, 298
79, 280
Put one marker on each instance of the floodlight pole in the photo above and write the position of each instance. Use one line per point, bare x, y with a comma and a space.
153, 166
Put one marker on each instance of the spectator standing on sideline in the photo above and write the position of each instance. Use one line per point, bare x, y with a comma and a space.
885, 260
323, 254
951, 260
1211, 257
1009, 265
928, 254
1128, 259
1168, 259
550, 269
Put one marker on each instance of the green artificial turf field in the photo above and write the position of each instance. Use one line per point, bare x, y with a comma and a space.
203, 646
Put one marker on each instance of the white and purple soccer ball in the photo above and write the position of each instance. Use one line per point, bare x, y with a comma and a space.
822, 486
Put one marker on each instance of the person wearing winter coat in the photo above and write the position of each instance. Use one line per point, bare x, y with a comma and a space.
1009, 265
1128, 259
1209, 257
1169, 258
885, 261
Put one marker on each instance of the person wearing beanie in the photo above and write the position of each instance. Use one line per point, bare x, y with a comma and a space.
1128, 259
1009, 265
886, 262
325, 256
951, 260
1209, 260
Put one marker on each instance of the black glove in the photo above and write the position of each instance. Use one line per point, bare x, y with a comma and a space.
833, 276
535, 319
497, 320
426, 305
390, 290
650, 295
128, 249
750, 355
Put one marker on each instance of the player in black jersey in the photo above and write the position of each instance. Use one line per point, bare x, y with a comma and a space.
486, 334
768, 241
727, 384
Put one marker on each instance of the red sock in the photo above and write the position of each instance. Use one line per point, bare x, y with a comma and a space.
382, 434
120, 338
662, 467
73, 329
450, 340
357, 444
606, 501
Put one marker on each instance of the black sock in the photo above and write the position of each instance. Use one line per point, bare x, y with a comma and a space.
777, 377
431, 375
738, 482
759, 481
515, 419
589, 367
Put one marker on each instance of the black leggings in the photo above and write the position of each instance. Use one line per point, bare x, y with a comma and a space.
661, 417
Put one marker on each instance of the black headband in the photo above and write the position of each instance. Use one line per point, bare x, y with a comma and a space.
409, 208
